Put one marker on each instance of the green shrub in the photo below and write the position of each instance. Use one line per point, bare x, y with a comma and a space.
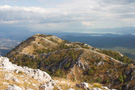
111, 71
117, 56
124, 77
121, 78
107, 80
90, 71
98, 80
120, 88
94, 67
67, 65
60, 73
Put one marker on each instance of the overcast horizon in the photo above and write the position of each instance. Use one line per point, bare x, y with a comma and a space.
67, 15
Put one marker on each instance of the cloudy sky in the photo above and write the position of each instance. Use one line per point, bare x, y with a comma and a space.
67, 15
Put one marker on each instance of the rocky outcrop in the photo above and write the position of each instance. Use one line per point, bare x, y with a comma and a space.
34, 73
40, 76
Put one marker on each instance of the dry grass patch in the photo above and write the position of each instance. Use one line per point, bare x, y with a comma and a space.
97, 85
2, 85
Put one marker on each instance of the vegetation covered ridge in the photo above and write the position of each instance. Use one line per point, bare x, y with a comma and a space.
64, 59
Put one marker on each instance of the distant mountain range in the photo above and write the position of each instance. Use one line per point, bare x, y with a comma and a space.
122, 43
119, 30
21, 33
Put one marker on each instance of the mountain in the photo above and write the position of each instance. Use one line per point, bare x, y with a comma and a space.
75, 61
15, 77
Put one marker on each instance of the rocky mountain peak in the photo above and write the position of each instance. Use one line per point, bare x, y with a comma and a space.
75, 61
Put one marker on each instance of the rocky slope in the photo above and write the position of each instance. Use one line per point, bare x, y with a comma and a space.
75, 61
13, 77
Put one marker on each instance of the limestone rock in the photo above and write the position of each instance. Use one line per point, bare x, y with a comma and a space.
5, 83
41, 76
46, 86
29, 89
70, 89
37, 74
84, 84
106, 88
13, 87
96, 89
15, 79
5, 64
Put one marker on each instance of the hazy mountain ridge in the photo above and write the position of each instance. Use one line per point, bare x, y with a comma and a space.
66, 59
122, 43
111, 41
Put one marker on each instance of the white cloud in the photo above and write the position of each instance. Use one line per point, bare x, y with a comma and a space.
71, 14
86, 23
8, 22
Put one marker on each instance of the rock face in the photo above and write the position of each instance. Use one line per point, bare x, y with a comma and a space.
40, 76
6, 65
35, 73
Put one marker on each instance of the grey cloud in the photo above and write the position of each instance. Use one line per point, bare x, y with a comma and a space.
41, 16
128, 16
118, 1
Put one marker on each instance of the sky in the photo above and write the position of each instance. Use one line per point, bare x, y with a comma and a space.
67, 15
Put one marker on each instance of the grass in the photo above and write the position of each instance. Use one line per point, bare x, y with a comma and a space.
2, 87
66, 84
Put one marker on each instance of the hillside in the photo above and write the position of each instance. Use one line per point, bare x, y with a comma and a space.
13, 77
75, 61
